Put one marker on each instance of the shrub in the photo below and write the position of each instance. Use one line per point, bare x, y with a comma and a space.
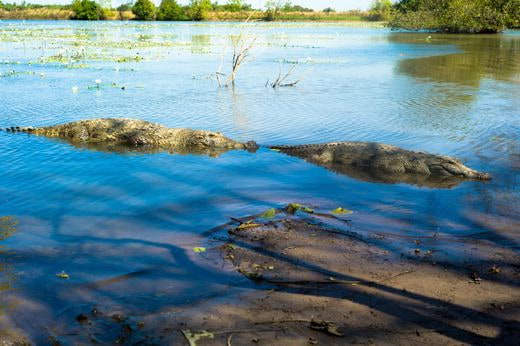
170, 10
198, 9
456, 16
144, 10
86, 10
380, 10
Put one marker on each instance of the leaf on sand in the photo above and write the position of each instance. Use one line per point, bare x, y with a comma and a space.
341, 211
292, 208
63, 275
193, 337
326, 327
199, 249
248, 224
269, 214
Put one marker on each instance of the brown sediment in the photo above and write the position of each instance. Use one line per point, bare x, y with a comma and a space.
306, 280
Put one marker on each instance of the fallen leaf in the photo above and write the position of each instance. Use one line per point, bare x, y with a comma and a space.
193, 337
341, 211
248, 224
269, 214
292, 208
326, 327
199, 249
63, 275
494, 269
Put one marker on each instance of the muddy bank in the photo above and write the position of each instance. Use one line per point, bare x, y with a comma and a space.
306, 279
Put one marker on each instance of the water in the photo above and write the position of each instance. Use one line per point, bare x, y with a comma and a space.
123, 225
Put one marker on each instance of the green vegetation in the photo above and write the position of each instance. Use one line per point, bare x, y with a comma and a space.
232, 6
199, 9
87, 10
381, 10
174, 10
456, 16
170, 10
144, 10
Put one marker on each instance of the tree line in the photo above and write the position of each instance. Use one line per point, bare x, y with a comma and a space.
453, 16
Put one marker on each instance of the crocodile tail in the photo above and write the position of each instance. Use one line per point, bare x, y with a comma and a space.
27, 129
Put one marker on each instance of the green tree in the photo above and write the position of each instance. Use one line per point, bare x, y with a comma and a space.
273, 8
198, 9
170, 10
380, 10
234, 5
475, 16
86, 10
144, 10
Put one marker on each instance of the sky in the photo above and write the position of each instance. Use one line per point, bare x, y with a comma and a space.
315, 4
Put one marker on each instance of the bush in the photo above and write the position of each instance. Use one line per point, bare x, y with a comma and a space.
144, 10
198, 9
86, 10
380, 10
456, 16
170, 10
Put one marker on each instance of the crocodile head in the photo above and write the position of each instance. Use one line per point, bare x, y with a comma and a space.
209, 139
448, 166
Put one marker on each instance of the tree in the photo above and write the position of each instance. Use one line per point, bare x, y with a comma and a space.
476, 16
86, 10
198, 9
273, 7
170, 10
380, 10
234, 5
144, 10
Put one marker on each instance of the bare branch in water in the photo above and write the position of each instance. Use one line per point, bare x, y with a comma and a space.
242, 43
279, 82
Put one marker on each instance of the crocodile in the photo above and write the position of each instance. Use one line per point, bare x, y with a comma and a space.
139, 134
368, 161
384, 163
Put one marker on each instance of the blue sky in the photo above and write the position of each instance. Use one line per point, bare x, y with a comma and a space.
316, 4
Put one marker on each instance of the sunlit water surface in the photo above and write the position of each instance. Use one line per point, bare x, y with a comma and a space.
123, 225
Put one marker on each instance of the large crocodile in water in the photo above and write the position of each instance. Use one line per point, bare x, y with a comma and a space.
360, 160
135, 133
385, 163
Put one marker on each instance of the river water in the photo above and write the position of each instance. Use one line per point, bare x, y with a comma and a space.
123, 225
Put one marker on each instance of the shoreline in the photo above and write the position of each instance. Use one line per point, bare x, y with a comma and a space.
300, 277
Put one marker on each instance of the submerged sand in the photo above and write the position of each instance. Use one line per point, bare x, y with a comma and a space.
311, 282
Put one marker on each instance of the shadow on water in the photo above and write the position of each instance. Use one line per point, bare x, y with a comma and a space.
8, 226
188, 280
